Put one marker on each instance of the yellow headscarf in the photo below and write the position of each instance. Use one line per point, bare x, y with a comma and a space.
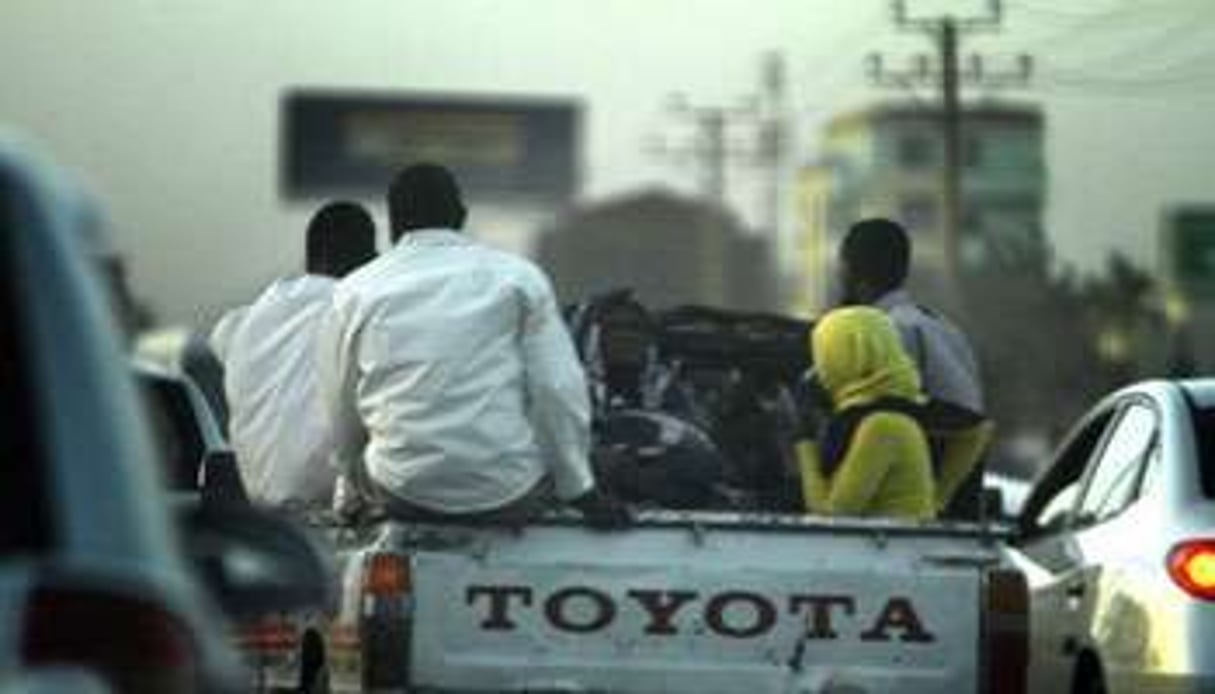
859, 358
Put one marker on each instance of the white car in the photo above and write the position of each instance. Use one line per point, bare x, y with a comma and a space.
1011, 491
1117, 540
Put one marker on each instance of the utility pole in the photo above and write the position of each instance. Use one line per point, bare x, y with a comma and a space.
711, 151
760, 121
951, 133
946, 31
772, 141
709, 146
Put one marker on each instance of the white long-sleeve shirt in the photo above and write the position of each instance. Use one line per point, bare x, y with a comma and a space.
947, 363
449, 374
278, 425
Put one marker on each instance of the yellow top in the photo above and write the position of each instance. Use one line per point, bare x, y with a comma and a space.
886, 469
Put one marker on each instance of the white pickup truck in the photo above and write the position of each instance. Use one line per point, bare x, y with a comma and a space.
682, 602
733, 600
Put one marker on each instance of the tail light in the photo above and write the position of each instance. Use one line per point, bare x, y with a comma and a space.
384, 624
1005, 643
386, 575
269, 636
136, 645
1191, 565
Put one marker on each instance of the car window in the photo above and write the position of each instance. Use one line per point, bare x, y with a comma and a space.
180, 445
1151, 472
1204, 434
1054, 497
1054, 514
1113, 482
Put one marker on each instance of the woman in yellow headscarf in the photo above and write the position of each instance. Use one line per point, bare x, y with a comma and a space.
874, 458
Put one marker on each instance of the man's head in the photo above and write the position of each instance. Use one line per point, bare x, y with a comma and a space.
341, 237
424, 196
874, 259
627, 333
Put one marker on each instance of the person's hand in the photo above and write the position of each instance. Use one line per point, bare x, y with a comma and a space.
603, 512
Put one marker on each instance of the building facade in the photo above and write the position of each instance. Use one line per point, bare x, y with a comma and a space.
669, 248
887, 161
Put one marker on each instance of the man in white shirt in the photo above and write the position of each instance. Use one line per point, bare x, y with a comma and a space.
875, 257
451, 379
278, 425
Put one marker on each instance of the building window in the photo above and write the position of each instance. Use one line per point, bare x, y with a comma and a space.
915, 152
918, 212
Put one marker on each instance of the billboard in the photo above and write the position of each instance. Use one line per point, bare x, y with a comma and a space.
352, 143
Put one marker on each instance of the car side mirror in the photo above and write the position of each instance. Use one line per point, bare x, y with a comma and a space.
253, 562
219, 480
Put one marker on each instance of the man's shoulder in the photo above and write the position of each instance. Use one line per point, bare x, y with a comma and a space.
228, 324
290, 295
225, 329
907, 311
514, 267
371, 274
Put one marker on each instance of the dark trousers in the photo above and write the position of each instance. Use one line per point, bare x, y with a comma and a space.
515, 514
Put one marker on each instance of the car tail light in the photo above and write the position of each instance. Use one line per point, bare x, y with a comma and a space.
1191, 564
384, 624
136, 645
1005, 644
269, 635
386, 575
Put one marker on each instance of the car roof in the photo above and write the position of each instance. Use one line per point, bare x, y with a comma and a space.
1200, 390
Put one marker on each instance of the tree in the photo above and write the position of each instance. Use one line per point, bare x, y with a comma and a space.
1051, 343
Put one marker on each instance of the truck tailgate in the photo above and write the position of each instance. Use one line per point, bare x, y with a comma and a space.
695, 608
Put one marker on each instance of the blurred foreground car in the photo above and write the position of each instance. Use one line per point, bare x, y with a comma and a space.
1118, 544
94, 587
201, 470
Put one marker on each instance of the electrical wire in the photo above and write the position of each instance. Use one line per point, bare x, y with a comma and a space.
1127, 49
1122, 30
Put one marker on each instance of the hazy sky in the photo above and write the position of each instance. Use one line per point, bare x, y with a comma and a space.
170, 106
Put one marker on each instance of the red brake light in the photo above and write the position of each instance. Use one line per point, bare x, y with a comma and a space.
1192, 567
273, 634
1005, 653
136, 645
386, 575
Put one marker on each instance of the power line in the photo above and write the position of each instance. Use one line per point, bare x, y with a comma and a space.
1091, 87
1128, 12
1142, 37
1135, 49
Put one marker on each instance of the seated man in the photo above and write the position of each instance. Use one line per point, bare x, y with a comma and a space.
450, 377
649, 448
269, 349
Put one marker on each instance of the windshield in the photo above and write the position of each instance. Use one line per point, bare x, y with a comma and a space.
1204, 432
1049, 165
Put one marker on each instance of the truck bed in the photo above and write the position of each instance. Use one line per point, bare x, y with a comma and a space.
696, 602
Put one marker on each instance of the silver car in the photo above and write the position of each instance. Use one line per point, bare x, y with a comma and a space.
105, 587
1117, 539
